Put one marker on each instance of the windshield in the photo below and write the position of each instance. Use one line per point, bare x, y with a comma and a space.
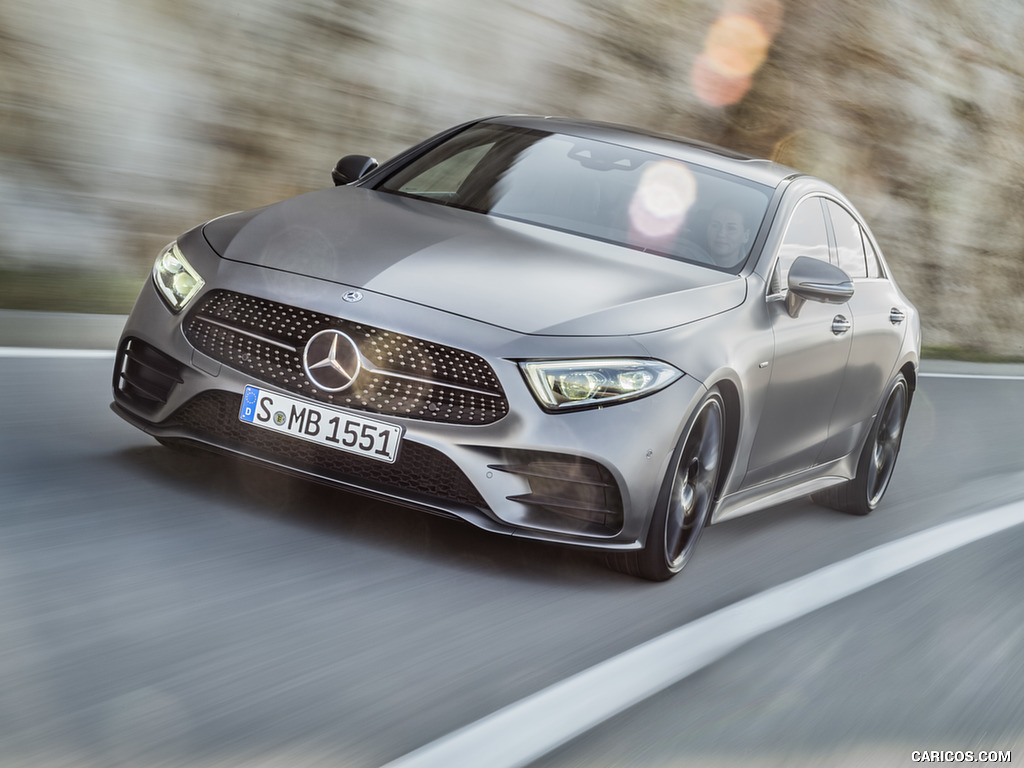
591, 188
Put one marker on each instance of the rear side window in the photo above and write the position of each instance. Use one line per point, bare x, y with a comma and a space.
874, 266
849, 245
805, 236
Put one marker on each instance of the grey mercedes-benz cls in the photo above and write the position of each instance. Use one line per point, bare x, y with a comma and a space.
568, 331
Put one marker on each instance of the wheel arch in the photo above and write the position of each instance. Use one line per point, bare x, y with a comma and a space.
909, 371
730, 394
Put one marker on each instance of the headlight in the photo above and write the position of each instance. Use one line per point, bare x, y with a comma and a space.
176, 279
561, 384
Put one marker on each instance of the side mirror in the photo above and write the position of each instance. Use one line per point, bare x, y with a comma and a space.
816, 280
352, 168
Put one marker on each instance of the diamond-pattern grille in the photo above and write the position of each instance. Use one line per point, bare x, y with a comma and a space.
402, 375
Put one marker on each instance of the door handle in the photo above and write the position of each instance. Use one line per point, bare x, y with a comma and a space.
840, 325
896, 316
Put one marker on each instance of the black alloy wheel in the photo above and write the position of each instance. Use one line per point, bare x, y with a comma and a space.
862, 494
686, 500
886, 444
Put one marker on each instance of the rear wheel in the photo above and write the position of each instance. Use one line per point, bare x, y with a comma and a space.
686, 500
862, 494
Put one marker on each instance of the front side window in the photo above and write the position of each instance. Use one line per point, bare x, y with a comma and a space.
596, 189
805, 236
849, 245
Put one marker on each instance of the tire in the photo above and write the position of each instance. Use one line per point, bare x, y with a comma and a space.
862, 494
686, 500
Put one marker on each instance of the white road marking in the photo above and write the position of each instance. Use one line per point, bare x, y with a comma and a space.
995, 376
56, 354
529, 729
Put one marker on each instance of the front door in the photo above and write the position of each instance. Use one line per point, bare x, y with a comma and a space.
808, 367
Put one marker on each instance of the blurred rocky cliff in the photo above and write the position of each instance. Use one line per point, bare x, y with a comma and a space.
123, 122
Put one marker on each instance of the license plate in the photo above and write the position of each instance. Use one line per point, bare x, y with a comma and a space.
319, 424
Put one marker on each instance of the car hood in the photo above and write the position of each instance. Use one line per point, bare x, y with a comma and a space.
517, 276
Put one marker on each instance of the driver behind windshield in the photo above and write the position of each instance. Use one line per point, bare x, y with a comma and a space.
728, 236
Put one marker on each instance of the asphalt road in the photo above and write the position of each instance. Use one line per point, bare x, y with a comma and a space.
163, 609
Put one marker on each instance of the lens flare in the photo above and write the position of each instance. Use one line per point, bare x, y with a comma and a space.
736, 47
767, 13
665, 194
716, 89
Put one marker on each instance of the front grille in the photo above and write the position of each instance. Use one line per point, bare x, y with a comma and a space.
419, 469
144, 376
402, 375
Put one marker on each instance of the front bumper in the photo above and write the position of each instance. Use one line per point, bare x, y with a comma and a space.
530, 473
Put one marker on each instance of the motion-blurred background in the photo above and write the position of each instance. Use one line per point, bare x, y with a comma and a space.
124, 122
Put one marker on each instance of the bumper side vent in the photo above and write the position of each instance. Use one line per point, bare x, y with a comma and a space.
144, 376
568, 493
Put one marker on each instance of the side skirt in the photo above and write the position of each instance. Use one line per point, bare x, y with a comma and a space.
785, 489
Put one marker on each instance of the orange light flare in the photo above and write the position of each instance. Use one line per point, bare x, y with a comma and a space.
666, 192
736, 46
767, 13
716, 89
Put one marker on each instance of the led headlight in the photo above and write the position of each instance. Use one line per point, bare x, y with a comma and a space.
562, 384
175, 278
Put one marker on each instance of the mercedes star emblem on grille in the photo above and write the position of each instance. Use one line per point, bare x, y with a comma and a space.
331, 360
352, 297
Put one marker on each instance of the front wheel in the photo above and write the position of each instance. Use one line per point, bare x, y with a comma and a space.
862, 494
686, 499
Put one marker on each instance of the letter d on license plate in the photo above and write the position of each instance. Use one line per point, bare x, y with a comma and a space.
320, 424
